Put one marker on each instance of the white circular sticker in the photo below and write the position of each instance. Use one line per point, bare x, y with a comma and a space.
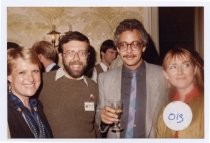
177, 115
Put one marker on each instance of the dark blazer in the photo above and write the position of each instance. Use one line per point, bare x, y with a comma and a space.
18, 127
55, 67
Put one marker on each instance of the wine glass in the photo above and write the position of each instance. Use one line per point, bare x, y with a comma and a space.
117, 106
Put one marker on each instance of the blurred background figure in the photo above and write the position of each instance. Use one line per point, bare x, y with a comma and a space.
47, 55
91, 61
25, 115
108, 53
184, 72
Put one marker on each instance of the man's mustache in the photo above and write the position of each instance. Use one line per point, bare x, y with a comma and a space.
129, 56
76, 63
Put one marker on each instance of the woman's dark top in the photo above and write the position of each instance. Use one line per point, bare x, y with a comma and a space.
24, 123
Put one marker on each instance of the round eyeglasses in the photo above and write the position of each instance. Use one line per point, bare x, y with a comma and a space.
135, 46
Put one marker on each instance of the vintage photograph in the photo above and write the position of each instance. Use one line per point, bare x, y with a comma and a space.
108, 72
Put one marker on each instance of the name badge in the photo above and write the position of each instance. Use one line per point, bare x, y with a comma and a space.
89, 106
177, 115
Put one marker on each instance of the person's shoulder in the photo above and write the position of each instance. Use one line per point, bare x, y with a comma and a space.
112, 71
111, 75
154, 72
98, 64
48, 74
90, 81
153, 67
199, 94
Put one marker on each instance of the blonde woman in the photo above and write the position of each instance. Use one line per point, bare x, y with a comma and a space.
25, 116
184, 73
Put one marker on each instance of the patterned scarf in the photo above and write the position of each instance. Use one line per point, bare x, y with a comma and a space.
32, 117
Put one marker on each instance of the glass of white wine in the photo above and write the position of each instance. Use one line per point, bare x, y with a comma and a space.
116, 104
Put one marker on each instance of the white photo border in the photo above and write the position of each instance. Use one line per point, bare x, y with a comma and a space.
92, 3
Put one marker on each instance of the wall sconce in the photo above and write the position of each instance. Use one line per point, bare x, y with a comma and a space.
70, 29
55, 36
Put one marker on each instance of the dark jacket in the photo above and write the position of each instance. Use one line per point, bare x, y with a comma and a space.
18, 127
55, 67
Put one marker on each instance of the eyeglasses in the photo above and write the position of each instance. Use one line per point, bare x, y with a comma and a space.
71, 54
135, 46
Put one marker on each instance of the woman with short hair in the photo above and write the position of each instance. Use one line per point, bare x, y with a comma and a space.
25, 115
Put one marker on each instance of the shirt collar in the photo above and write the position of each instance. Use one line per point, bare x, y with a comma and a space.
60, 73
193, 93
49, 67
103, 66
139, 71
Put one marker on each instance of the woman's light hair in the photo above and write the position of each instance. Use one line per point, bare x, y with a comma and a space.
180, 53
26, 54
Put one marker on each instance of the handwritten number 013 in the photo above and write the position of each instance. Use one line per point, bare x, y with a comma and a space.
179, 117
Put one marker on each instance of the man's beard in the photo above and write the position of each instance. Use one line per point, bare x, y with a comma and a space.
72, 73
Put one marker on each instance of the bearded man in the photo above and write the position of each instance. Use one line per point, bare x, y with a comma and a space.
69, 98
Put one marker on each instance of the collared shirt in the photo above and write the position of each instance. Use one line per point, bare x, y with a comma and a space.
95, 76
61, 72
103, 66
49, 67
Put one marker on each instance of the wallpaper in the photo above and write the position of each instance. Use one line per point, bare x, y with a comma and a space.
27, 25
